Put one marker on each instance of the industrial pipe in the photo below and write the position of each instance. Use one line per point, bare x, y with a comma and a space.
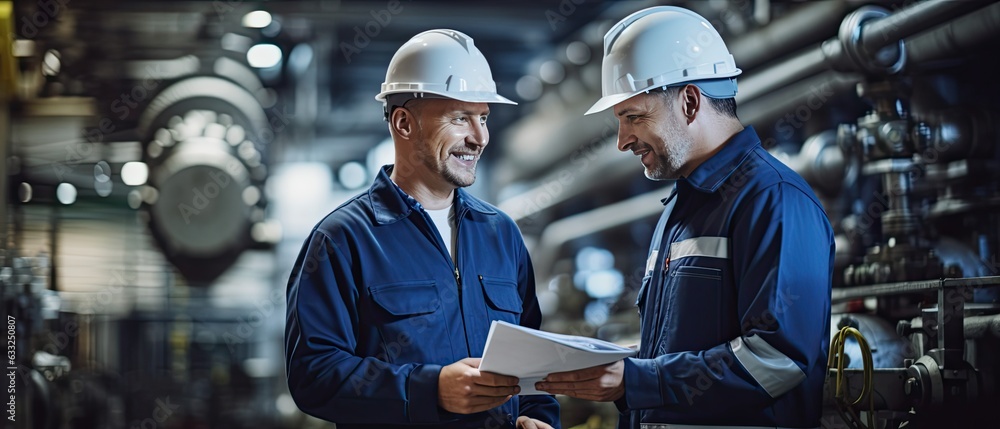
845, 53
912, 20
956, 37
807, 24
981, 326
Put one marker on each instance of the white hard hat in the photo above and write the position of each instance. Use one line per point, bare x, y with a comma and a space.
664, 46
443, 63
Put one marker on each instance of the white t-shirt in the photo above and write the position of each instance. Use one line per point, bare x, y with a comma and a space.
444, 220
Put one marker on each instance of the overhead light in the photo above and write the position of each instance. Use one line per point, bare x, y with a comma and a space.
552, 72
578, 53
352, 175
257, 19
264, 56
66, 193
529, 88
135, 173
51, 63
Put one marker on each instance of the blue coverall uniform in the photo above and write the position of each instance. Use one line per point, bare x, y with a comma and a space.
376, 307
735, 303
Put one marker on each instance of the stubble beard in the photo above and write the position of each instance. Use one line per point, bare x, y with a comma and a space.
455, 178
670, 160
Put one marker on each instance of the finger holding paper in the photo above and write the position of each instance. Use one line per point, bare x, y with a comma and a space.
464, 389
603, 383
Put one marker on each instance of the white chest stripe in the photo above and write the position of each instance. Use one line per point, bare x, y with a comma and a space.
711, 247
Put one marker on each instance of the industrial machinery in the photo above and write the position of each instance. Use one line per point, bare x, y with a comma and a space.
889, 111
135, 179
137, 244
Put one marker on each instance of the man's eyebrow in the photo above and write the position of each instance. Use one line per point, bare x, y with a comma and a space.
469, 112
625, 111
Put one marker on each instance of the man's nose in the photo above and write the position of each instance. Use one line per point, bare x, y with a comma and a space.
625, 138
480, 135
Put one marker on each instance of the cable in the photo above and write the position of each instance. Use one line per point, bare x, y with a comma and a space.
838, 359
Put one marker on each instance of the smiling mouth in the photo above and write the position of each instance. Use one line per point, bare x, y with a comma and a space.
465, 159
641, 153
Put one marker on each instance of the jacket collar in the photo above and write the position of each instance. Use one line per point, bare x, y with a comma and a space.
390, 204
708, 176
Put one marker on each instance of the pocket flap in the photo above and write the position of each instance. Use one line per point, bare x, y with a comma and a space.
408, 298
501, 294
696, 271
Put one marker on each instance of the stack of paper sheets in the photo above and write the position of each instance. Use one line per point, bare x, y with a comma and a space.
531, 354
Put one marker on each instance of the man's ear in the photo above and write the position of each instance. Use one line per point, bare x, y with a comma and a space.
690, 96
402, 122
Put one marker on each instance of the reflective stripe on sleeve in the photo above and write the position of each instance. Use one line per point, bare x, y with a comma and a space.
774, 371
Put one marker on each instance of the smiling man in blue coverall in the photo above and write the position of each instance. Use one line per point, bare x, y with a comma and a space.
391, 299
735, 303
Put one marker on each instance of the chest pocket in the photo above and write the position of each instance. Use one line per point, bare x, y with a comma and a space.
502, 299
695, 304
407, 310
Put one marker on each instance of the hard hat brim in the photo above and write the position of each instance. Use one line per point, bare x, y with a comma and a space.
608, 101
713, 88
466, 96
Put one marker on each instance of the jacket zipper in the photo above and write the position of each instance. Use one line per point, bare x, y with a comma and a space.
459, 214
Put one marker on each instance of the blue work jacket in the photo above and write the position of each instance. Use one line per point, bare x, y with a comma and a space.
376, 307
735, 303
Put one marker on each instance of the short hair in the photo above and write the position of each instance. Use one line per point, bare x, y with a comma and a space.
724, 106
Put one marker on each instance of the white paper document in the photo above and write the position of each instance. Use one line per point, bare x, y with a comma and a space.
531, 354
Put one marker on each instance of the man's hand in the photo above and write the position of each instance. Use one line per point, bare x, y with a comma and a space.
524, 422
463, 389
599, 383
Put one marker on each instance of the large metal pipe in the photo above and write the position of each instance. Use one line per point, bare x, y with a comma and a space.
981, 326
808, 24
912, 20
875, 35
793, 69
956, 37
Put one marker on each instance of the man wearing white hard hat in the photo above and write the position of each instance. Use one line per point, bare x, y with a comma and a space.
735, 301
391, 299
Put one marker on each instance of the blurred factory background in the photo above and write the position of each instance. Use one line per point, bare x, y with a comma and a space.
164, 161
